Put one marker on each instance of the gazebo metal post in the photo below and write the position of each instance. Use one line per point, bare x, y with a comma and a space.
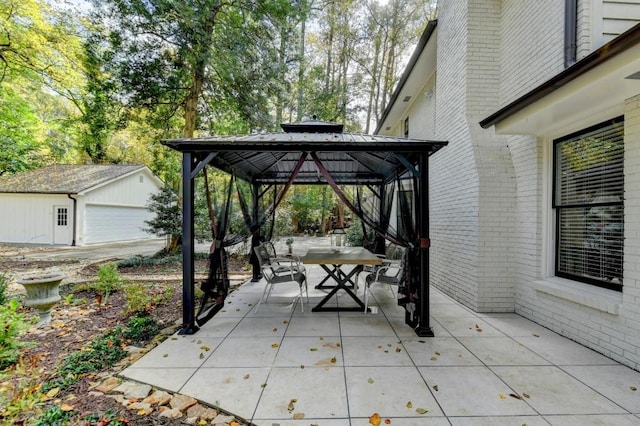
421, 198
188, 246
379, 239
255, 237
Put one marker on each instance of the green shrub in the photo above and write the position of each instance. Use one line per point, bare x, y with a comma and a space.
141, 299
141, 329
98, 355
12, 324
4, 285
54, 416
109, 280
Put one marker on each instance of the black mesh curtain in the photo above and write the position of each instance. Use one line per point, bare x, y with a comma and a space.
375, 213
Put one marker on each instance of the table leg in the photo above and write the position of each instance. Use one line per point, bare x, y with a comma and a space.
330, 274
341, 279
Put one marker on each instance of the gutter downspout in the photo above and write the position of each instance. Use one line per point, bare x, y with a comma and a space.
75, 210
570, 32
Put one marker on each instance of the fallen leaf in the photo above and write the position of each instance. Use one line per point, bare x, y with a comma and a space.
387, 421
313, 349
298, 416
502, 396
302, 366
435, 388
321, 337
633, 388
526, 395
234, 423
409, 404
263, 385
199, 342
513, 395
66, 407
333, 360
285, 322
421, 411
370, 381
437, 353
535, 335
275, 329
275, 345
201, 355
53, 392
375, 419
291, 407
205, 348
165, 355
433, 358
246, 376
398, 350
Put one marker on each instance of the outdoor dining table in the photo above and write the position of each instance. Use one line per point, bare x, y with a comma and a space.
333, 261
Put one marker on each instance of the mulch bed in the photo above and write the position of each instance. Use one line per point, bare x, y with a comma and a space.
80, 318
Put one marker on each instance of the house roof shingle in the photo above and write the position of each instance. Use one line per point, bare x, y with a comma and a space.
63, 178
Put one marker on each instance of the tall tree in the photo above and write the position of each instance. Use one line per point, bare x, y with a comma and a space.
202, 60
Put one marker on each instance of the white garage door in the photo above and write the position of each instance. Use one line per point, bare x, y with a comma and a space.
110, 223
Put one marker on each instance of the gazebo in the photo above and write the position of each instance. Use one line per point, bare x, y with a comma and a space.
318, 152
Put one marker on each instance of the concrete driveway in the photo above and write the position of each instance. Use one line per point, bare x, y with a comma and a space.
94, 252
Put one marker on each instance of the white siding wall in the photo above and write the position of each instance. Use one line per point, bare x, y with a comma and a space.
29, 219
130, 194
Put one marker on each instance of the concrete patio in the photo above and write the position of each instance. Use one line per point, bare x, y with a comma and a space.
339, 368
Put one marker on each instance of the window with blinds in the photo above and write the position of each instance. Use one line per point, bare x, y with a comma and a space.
588, 201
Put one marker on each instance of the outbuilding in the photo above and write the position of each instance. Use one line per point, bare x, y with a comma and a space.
76, 204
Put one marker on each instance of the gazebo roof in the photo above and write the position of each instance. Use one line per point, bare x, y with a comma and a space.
350, 158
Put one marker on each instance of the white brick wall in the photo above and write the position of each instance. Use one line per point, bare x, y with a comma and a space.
490, 200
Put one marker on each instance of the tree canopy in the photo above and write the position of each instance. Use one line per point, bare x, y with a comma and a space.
103, 81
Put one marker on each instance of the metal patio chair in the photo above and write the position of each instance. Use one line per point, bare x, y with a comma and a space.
391, 273
280, 270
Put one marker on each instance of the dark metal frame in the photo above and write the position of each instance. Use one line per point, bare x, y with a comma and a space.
396, 156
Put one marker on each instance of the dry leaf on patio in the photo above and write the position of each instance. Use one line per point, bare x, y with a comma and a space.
535, 335
526, 395
513, 395
291, 407
398, 350
302, 366
375, 419
433, 358
435, 388
333, 360
275, 345
201, 355
165, 355
409, 404
275, 329
205, 348
298, 416
370, 381
633, 388
285, 322
313, 349
387, 421
502, 396
246, 377
437, 353
421, 411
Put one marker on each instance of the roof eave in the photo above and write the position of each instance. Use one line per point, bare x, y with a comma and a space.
605, 53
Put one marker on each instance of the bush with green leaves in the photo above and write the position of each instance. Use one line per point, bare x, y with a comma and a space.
140, 299
54, 416
102, 353
141, 329
4, 287
109, 280
12, 325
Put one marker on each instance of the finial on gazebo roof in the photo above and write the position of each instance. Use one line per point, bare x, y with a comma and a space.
312, 126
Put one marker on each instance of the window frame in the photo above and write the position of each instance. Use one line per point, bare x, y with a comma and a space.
557, 209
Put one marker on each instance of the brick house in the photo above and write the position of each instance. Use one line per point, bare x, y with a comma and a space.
534, 203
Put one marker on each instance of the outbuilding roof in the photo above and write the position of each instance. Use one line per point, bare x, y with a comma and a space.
64, 178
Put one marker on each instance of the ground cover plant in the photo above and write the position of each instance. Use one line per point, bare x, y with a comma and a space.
48, 373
